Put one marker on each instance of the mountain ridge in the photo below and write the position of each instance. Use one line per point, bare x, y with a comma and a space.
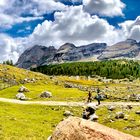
41, 55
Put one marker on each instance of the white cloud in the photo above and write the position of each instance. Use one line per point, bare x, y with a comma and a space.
131, 29
8, 48
46, 6
104, 7
68, 28
73, 1
7, 21
72, 24
135, 33
11, 10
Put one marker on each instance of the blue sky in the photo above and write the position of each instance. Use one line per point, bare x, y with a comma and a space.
25, 23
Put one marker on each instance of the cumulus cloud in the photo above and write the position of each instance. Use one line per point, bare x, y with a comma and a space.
73, 1
8, 48
68, 28
12, 12
131, 28
43, 6
104, 7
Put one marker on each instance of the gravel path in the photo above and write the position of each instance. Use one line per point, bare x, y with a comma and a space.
62, 103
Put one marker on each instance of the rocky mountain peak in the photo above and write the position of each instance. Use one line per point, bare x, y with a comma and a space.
66, 47
34, 56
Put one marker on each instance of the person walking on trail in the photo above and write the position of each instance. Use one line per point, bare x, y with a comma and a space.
89, 97
98, 97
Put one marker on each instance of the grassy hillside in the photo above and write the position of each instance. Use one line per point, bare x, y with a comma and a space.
13, 78
116, 90
30, 122
37, 122
10, 76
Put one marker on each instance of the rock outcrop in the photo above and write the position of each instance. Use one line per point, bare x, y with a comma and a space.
75, 128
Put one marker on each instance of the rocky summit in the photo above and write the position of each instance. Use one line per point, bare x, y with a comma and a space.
42, 55
35, 56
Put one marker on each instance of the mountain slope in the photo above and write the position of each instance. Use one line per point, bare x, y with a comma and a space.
125, 49
35, 56
41, 55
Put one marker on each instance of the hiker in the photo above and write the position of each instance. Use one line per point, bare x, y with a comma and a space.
89, 97
98, 97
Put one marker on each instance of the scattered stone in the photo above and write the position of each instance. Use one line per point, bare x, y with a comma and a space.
119, 115
129, 107
21, 96
23, 89
68, 113
134, 97
111, 108
138, 112
126, 118
66, 85
111, 120
46, 94
93, 117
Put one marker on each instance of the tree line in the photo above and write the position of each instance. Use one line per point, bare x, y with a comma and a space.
8, 62
115, 69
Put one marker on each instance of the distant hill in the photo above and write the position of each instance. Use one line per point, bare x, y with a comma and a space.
42, 55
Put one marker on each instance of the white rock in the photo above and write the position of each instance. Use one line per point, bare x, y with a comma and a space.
68, 113
20, 96
93, 117
23, 89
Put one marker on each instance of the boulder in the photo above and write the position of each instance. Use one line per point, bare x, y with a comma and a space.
21, 96
129, 107
138, 112
119, 115
93, 117
68, 113
67, 85
92, 105
46, 94
23, 89
74, 128
111, 108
